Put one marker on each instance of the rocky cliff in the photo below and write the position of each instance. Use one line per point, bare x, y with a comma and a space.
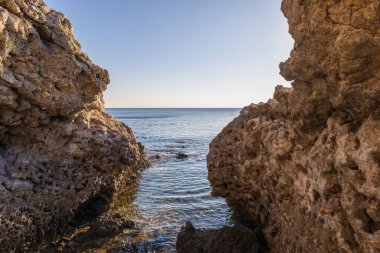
61, 156
306, 164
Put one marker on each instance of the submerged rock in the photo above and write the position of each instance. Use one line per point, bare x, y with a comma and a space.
181, 156
61, 156
305, 165
235, 239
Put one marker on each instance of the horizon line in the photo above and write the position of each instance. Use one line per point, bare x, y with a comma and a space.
173, 107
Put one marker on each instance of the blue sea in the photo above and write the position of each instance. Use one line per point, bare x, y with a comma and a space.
175, 189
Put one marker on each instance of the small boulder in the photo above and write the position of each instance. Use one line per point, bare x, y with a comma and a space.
181, 156
236, 239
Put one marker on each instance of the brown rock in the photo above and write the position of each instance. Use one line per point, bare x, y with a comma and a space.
61, 155
235, 239
305, 165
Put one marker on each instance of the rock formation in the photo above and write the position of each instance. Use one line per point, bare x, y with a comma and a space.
235, 239
61, 156
306, 164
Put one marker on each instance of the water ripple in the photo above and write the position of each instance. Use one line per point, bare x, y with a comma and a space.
174, 190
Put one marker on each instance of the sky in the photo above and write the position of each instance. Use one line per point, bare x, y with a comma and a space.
183, 53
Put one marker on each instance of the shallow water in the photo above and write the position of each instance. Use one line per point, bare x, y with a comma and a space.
174, 190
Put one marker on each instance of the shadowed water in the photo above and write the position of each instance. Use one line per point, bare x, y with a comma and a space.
175, 189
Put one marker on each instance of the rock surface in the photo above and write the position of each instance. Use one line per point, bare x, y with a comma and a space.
235, 239
61, 156
306, 164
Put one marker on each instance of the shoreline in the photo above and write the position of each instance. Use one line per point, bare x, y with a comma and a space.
301, 172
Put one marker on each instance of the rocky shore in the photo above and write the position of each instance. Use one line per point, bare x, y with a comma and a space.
306, 164
62, 157
304, 167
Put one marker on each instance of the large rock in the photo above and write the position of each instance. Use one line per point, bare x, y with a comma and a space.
306, 164
61, 156
237, 239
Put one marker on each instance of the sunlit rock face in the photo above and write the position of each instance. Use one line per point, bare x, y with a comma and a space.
61, 156
306, 164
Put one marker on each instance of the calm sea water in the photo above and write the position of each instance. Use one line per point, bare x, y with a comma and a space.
175, 189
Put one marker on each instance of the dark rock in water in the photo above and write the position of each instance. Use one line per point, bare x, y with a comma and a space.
156, 157
235, 239
181, 156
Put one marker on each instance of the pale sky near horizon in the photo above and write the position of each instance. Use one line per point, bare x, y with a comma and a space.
177, 53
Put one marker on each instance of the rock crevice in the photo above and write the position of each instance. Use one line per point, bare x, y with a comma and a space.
305, 165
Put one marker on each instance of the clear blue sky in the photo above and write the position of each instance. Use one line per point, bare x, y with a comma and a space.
183, 53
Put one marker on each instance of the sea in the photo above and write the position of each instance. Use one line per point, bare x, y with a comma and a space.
175, 188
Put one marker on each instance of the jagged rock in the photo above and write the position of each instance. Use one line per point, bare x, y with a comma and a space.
235, 239
306, 164
60, 153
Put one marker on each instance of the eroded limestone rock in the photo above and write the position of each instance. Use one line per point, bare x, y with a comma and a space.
60, 153
306, 164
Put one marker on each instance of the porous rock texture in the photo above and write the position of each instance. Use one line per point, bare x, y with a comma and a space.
236, 239
306, 164
61, 156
